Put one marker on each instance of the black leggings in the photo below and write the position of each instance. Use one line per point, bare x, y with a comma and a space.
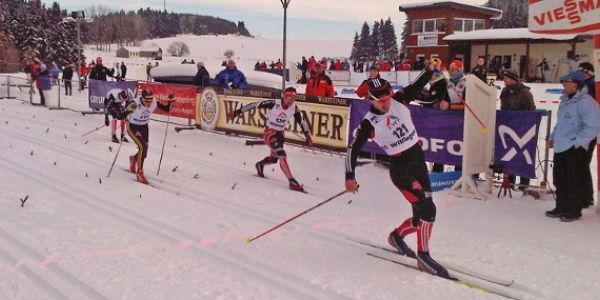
409, 174
139, 134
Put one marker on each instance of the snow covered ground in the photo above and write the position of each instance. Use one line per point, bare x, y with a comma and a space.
83, 235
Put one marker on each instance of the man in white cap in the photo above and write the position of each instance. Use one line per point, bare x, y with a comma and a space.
202, 78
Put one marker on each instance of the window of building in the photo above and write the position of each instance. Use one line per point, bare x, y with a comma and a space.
440, 25
417, 26
429, 26
479, 24
468, 24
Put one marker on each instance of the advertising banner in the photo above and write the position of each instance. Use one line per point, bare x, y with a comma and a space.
99, 88
564, 17
326, 118
185, 98
441, 133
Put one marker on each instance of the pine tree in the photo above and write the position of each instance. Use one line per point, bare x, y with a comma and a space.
365, 46
390, 44
355, 45
374, 54
515, 13
404, 38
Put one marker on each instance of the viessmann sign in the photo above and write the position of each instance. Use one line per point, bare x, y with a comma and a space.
564, 16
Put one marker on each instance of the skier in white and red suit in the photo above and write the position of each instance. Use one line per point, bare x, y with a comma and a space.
277, 116
389, 124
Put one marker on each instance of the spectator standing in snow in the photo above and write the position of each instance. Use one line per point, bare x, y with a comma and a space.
100, 72
123, 70
577, 126
148, 70
319, 84
516, 96
202, 78
231, 77
480, 71
587, 70
67, 78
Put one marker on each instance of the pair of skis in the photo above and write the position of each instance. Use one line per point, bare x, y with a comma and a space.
459, 275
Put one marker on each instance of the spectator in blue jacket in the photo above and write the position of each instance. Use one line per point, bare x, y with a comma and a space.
231, 77
572, 139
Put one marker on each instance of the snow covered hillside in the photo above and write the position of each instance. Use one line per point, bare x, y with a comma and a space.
82, 235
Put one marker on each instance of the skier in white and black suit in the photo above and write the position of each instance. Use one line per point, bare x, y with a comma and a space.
389, 124
115, 103
280, 111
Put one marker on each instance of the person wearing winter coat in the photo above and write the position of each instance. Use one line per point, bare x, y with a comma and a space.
123, 70
319, 84
67, 78
573, 136
100, 72
587, 70
480, 71
202, 78
516, 96
231, 77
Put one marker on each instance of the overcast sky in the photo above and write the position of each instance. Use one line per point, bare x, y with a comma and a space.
307, 19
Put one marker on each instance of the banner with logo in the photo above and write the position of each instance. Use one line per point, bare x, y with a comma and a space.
326, 117
208, 102
99, 88
185, 98
441, 133
564, 17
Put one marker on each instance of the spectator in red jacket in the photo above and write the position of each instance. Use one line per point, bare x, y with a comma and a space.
338, 65
319, 84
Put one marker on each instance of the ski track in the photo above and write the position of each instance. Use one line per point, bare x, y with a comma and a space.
285, 282
325, 236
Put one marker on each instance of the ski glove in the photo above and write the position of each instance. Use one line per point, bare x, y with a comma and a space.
131, 108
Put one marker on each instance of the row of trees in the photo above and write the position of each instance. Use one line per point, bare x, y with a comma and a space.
375, 44
124, 28
28, 30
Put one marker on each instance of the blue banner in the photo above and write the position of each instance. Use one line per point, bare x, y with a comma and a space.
99, 88
441, 133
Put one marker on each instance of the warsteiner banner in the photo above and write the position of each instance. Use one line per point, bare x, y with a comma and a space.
185, 98
327, 121
99, 88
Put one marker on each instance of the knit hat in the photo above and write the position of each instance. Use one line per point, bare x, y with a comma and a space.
586, 67
573, 76
374, 67
456, 64
511, 74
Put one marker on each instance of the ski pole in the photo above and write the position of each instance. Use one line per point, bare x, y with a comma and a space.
115, 159
251, 239
483, 127
91, 131
165, 138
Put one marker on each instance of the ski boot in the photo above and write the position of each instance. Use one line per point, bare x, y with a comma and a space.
396, 241
132, 163
295, 185
115, 139
428, 264
555, 213
260, 170
124, 139
140, 177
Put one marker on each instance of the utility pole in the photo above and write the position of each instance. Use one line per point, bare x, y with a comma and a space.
285, 4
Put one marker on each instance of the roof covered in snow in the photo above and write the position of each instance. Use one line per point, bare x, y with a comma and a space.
506, 34
493, 12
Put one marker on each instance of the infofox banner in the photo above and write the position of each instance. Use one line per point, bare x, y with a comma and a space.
564, 16
442, 134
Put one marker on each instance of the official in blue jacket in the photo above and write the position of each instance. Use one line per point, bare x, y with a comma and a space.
572, 138
231, 77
